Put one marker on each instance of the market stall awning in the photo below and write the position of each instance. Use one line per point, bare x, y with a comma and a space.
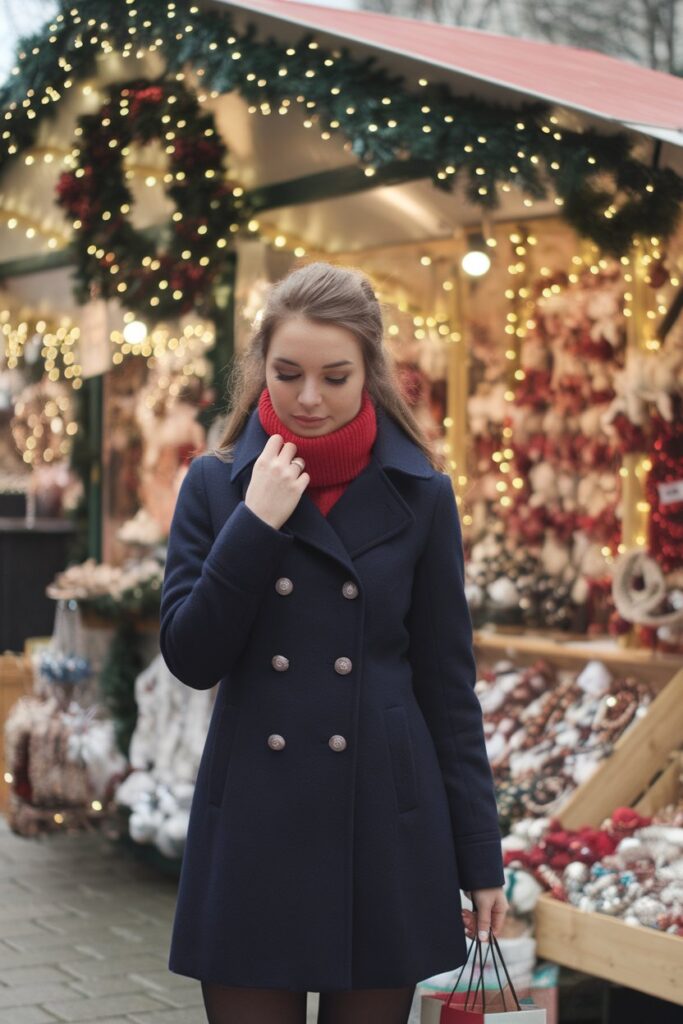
637, 97
308, 187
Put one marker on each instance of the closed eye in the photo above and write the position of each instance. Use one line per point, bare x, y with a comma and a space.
330, 380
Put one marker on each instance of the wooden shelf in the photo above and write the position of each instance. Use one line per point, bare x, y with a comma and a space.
642, 958
644, 771
567, 651
628, 774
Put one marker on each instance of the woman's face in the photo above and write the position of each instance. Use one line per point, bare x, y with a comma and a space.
314, 370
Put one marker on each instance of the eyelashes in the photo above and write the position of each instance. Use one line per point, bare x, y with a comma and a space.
330, 380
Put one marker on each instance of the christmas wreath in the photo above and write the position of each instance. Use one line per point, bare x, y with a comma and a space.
170, 277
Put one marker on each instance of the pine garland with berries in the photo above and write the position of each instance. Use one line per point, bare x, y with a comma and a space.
599, 184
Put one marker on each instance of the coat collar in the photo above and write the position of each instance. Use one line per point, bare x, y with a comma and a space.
371, 509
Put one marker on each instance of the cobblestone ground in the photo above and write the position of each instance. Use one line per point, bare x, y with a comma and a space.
84, 931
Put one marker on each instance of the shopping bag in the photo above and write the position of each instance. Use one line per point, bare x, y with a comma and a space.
499, 1006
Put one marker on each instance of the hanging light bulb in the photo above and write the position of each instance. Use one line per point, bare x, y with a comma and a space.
135, 332
476, 261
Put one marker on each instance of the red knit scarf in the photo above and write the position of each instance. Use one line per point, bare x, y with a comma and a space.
332, 459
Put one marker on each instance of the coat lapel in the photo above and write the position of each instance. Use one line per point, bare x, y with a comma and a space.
370, 511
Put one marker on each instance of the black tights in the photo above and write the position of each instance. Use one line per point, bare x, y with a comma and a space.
226, 1005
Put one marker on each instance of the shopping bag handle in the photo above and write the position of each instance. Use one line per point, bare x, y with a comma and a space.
493, 939
493, 948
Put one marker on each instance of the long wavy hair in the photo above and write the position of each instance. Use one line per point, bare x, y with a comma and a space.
322, 292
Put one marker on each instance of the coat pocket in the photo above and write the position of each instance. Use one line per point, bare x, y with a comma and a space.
220, 753
402, 760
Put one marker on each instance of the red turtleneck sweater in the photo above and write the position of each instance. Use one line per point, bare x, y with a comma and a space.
332, 459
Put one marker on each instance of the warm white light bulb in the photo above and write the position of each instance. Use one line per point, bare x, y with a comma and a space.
135, 332
476, 263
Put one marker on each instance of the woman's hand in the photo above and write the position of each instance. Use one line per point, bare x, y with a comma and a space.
276, 483
490, 908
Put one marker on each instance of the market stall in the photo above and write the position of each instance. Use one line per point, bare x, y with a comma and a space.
521, 224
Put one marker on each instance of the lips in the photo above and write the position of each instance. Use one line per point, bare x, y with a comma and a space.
311, 422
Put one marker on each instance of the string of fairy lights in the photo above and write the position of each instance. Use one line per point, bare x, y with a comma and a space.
647, 307
644, 305
532, 148
377, 121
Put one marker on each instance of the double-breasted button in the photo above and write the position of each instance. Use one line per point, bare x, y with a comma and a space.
284, 585
350, 589
275, 741
279, 662
337, 742
343, 666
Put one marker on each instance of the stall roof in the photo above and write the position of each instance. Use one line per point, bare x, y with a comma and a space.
266, 151
637, 97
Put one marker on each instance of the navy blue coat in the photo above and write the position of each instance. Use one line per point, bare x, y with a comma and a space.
332, 860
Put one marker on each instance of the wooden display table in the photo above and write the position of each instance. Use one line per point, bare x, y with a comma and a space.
644, 772
16, 679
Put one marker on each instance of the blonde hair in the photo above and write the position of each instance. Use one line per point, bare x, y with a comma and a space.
324, 292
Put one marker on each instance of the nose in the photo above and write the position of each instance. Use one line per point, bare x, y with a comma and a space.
309, 396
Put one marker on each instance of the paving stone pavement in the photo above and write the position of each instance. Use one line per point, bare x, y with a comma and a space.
84, 934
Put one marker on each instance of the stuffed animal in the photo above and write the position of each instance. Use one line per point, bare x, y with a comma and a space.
648, 377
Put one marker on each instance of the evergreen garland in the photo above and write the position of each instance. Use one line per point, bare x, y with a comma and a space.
110, 251
605, 192
117, 682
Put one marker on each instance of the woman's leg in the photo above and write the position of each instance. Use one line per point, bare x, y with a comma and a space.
227, 1005
366, 1006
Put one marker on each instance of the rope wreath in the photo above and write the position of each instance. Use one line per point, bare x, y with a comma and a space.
638, 603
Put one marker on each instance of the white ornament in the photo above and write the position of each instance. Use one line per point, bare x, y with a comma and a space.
594, 679
503, 592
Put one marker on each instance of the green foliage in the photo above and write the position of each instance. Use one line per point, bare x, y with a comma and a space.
117, 682
114, 255
607, 194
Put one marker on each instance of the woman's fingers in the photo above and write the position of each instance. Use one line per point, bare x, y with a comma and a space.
469, 922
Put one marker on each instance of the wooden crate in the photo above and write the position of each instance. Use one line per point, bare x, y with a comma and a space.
636, 956
16, 679
643, 771
639, 755
641, 751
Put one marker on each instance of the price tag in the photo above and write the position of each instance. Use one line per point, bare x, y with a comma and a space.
95, 347
670, 492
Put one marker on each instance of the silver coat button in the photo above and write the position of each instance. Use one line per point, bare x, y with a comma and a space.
275, 741
284, 585
337, 742
343, 666
350, 589
280, 663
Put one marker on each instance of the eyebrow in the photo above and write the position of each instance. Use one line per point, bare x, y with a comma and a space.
327, 366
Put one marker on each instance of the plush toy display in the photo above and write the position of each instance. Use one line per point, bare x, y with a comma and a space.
164, 755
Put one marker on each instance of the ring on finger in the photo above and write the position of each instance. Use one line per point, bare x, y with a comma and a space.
299, 461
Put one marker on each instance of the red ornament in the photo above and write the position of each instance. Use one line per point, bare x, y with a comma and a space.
658, 274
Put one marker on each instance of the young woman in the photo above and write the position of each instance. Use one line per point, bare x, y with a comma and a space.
315, 571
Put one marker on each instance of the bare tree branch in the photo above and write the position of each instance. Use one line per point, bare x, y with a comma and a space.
644, 31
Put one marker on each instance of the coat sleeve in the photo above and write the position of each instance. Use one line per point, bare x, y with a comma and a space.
212, 587
444, 674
